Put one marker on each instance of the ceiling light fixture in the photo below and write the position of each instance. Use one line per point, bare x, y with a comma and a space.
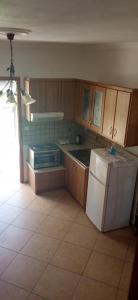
8, 87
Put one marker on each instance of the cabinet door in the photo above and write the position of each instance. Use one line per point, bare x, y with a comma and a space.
121, 116
77, 102
67, 98
109, 113
52, 95
68, 163
97, 107
46, 92
81, 184
85, 104
82, 103
37, 89
76, 179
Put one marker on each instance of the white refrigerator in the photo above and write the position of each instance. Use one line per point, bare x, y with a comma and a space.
111, 186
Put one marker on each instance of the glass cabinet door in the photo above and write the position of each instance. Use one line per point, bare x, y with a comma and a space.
97, 108
86, 97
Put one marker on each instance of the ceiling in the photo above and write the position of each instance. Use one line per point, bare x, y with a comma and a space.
77, 21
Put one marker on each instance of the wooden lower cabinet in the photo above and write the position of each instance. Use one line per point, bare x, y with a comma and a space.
46, 180
76, 180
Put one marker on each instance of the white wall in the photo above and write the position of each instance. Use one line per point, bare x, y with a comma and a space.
106, 63
115, 64
42, 60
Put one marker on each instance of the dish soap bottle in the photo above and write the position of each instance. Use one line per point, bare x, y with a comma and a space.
112, 150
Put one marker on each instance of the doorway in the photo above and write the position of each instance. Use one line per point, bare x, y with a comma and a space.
10, 140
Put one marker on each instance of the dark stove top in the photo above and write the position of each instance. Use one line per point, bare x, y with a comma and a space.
44, 147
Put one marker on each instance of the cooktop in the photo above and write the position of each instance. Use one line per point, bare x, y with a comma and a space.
44, 147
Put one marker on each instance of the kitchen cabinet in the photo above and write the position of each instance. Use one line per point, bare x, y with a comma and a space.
121, 116
109, 113
116, 112
78, 108
97, 108
86, 99
67, 98
76, 179
83, 100
52, 95
44, 180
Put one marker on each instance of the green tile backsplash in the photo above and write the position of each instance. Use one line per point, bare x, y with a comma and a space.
50, 131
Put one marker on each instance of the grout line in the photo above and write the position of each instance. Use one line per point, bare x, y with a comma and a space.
15, 285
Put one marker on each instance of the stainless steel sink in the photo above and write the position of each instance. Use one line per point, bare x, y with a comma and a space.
83, 155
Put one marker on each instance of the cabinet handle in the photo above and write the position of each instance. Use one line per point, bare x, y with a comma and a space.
115, 132
111, 130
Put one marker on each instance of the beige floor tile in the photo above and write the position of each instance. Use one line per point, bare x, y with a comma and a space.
35, 297
53, 195
57, 284
68, 199
70, 257
11, 292
124, 232
42, 205
29, 220
121, 295
115, 246
104, 268
41, 247
82, 236
54, 227
24, 272
126, 276
131, 251
82, 219
8, 214
14, 238
66, 211
6, 257
3, 226
93, 290
21, 199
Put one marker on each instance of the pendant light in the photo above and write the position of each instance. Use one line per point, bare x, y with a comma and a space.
8, 87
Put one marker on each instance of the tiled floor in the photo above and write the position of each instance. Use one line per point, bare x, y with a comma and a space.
50, 250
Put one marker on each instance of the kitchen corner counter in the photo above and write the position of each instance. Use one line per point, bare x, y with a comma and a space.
70, 147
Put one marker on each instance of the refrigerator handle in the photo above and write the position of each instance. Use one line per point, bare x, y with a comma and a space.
96, 178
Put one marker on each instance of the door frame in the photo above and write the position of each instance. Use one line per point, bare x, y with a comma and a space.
19, 118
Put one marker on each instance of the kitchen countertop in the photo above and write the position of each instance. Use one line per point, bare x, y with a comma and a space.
133, 150
70, 147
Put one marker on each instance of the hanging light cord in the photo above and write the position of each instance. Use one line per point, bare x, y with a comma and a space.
11, 68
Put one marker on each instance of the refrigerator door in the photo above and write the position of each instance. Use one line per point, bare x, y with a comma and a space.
99, 167
120, 195
95, 201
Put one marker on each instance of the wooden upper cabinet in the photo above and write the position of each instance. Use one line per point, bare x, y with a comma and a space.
47, 95
77, 102
67, 100
85, 103
52, 95
83, 100
121, 117
109, 113
97, 108
116, 113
